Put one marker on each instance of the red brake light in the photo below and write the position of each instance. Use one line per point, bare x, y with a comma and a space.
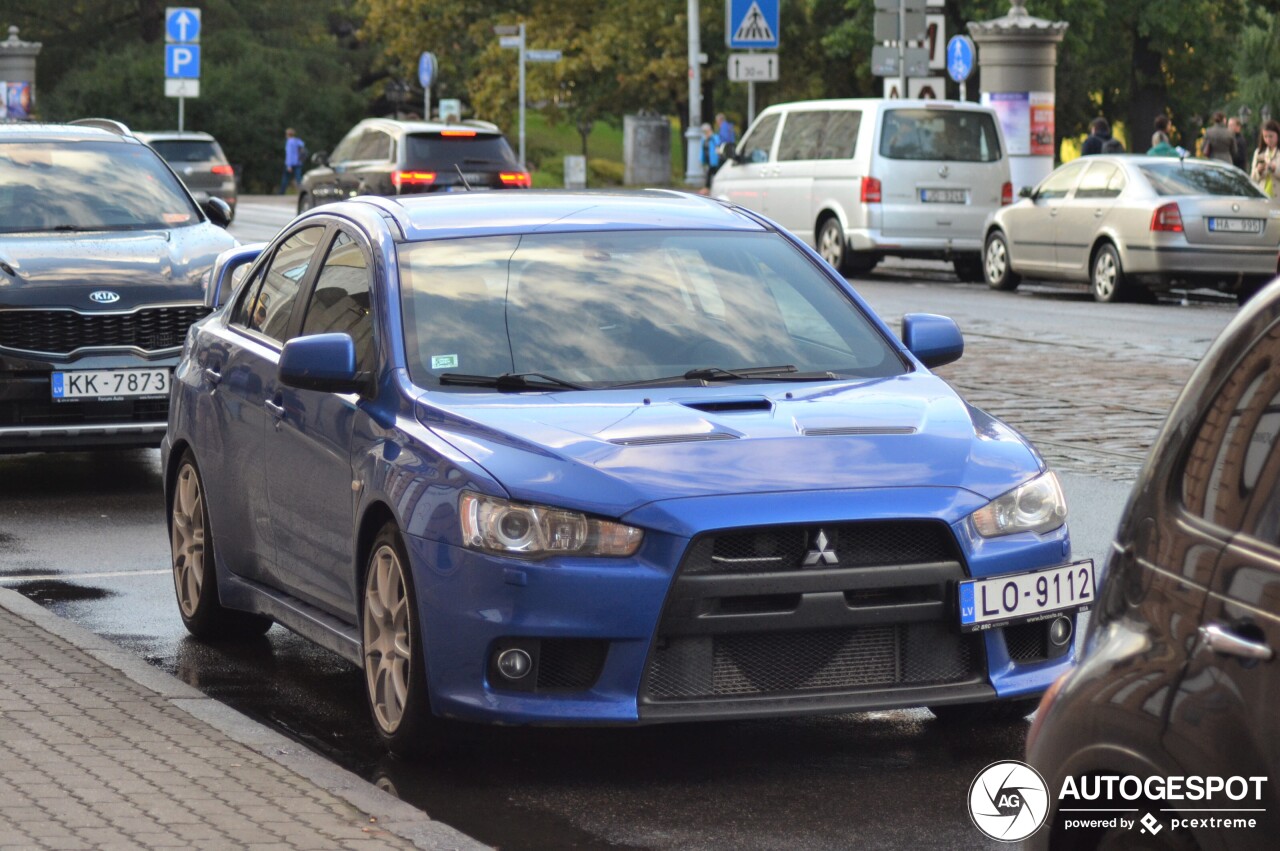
223, 169
870, 190
412, 178
457, 132
1167, 218
1006, 194
515, 178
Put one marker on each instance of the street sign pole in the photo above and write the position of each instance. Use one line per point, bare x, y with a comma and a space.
181, 106
693, 130
902, 48
522, 160
751, 102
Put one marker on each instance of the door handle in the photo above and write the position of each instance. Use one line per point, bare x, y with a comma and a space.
1053, 211
212, 375
276, 409
1221, 640
1097, 214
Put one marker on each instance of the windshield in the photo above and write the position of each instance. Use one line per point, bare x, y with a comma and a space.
950, 135
1187, 178
74, 186
187, 151
600, 309
432, 151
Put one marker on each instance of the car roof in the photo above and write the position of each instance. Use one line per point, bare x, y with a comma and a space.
887, 103
26, 131
173, 136
458, 214
393, 125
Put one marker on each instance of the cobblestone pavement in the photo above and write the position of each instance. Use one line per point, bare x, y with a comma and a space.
90, 758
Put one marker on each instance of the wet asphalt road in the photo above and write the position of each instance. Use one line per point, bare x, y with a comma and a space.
84, 534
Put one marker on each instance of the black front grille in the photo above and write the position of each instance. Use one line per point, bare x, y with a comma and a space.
778, 548
46, 412
753, 664
64, 331
1028, 642
570, 664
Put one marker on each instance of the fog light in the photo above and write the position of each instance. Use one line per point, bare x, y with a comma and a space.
1060, 631
514, 664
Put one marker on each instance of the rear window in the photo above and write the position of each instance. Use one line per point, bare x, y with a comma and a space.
434, 151
91, 185
1188, 178
939, 135
188, 151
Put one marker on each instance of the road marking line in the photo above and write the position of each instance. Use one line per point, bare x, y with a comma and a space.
63, 577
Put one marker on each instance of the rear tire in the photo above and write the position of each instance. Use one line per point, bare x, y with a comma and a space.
305, 202
997, 712
997, 266
969, 269
1107, 281
195, 575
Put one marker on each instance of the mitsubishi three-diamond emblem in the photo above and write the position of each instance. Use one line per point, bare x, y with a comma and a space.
821, 552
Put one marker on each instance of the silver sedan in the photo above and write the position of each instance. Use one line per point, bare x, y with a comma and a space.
1130, 225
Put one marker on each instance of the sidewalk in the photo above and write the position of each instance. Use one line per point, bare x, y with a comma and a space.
98, 750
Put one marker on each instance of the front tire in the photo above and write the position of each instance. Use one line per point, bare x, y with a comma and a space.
195, 575
305, 202
1107, 280
391, 644
997, 265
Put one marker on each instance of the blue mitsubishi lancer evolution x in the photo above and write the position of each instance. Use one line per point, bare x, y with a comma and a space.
578, 458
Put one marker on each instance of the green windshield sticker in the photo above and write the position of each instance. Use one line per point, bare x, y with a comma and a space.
444, 361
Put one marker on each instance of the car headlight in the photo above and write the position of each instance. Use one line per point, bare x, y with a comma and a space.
1037, 506
536, 531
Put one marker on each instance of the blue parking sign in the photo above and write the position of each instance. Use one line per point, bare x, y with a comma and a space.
182, 61
751, 24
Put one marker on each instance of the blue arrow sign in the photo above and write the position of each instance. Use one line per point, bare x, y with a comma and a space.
182, 61
181, 24
959, 58
751, 23
426, 69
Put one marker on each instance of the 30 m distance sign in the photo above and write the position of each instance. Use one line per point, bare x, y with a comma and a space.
753, 67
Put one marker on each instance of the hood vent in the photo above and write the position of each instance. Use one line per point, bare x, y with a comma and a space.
660, 439
839, 431
731, 406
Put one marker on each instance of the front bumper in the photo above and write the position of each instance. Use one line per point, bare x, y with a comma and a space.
642, 641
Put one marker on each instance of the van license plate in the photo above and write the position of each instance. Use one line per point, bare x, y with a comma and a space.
1023, 597
944, 196
1235, 225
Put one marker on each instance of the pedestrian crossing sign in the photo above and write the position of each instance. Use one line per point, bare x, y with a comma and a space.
751, 24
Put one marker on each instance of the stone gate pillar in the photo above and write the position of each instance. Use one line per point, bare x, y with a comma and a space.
1017, 56
17, 76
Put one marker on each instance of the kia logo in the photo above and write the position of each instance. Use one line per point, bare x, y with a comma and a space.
104, 297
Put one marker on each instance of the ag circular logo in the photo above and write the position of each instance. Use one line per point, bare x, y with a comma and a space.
1008, 800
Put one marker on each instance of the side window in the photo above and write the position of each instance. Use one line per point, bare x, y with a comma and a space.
801, 134
1232, 473
375, 145
840, 135
340, 302
759, 142
271, 305
1058, 184
347, 147
1096, 182
248, 297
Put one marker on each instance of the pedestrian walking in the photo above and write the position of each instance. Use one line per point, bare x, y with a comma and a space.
1161, 134
710, 156
724, 129
1266, 159
1242, 150
1219, 142
1099, 133
294, 151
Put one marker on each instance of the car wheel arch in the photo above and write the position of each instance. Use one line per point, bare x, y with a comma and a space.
176, 453
376, 515
1105, 238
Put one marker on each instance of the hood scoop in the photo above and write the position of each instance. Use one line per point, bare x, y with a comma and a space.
743, 405
838, 431
661, 439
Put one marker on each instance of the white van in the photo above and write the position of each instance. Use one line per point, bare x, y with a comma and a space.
862, 179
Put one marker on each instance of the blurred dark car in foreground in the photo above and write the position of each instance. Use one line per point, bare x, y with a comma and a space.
1130, 225
1179, 676
381, 156
198, 160
104, 260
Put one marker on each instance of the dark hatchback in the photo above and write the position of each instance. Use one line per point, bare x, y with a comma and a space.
104, 260
1179, 680
381, 156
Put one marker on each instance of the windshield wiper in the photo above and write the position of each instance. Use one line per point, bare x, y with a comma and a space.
784, 372
511, 381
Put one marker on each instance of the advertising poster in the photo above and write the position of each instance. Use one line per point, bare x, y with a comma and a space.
1014, 111
4, 100
1042, 124
17, 100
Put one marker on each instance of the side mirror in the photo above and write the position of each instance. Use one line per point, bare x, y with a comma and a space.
727, 152
218, 211
934, 340
1027, 192
323, 362
320, 158
223, 277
